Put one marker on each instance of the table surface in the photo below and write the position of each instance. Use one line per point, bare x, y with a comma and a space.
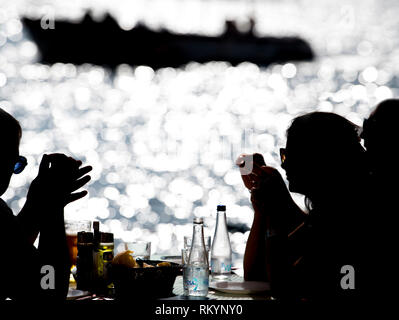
236, 276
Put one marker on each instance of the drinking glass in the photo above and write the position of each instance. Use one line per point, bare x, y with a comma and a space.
187, 246
184, 255
141, 249
188, 239
72, 227
184, 259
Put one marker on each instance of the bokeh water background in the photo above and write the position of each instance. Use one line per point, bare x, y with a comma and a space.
163, 143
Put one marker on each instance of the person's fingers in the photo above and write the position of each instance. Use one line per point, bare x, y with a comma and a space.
257, 170
67, 166
265, 172
62, 159
82, 171
57, 157
241, 162
259, 160
264, 178
273, 173
76, 196
58, 161
254, 171
80, 183
260, 174
254, 180
249, 162
256, 158
246, 163
78, 163
70, 163
44, 164
247, 181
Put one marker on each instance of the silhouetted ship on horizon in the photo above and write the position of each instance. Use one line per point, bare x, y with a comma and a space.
105, 43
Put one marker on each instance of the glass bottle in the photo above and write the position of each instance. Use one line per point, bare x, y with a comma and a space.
84, 264
221, 253
104, 253
196, 271
96, 233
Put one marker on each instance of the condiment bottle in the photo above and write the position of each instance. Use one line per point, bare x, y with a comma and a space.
84, 264
103, 253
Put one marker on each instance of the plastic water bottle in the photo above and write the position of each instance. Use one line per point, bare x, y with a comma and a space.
221, 248
196, 271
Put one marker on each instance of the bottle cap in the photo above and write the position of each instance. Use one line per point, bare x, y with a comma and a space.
198, 220
85, 237
221, 207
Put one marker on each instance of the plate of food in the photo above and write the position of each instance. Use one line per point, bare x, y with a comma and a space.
240, 287
136, 278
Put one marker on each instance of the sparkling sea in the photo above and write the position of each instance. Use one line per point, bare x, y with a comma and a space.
163, 143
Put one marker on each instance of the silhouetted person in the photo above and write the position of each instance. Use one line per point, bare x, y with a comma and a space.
251, 28
24, 269
324, 161
381, 137
230, 29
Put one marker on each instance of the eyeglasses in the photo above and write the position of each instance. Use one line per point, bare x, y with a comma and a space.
283, 155
20, 164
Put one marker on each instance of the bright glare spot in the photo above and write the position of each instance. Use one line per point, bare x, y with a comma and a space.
277, 83
359, 92
99, 206
111, 193
13, 27
370, 74
325, 106
288, 70
144, 73
233, 178
382, 93
28, 49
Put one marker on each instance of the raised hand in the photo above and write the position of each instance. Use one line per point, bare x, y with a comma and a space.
81, 180
248, 164
265, 183
59, 176
54, 187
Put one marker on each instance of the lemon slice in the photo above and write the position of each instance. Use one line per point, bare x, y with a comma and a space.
164, 264
125, 258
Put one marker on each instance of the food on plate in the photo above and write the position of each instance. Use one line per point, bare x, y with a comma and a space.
164, 264
145, 265
125, 258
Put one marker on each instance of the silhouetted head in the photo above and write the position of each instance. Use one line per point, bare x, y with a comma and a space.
381, 135
323, 153
10, 135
